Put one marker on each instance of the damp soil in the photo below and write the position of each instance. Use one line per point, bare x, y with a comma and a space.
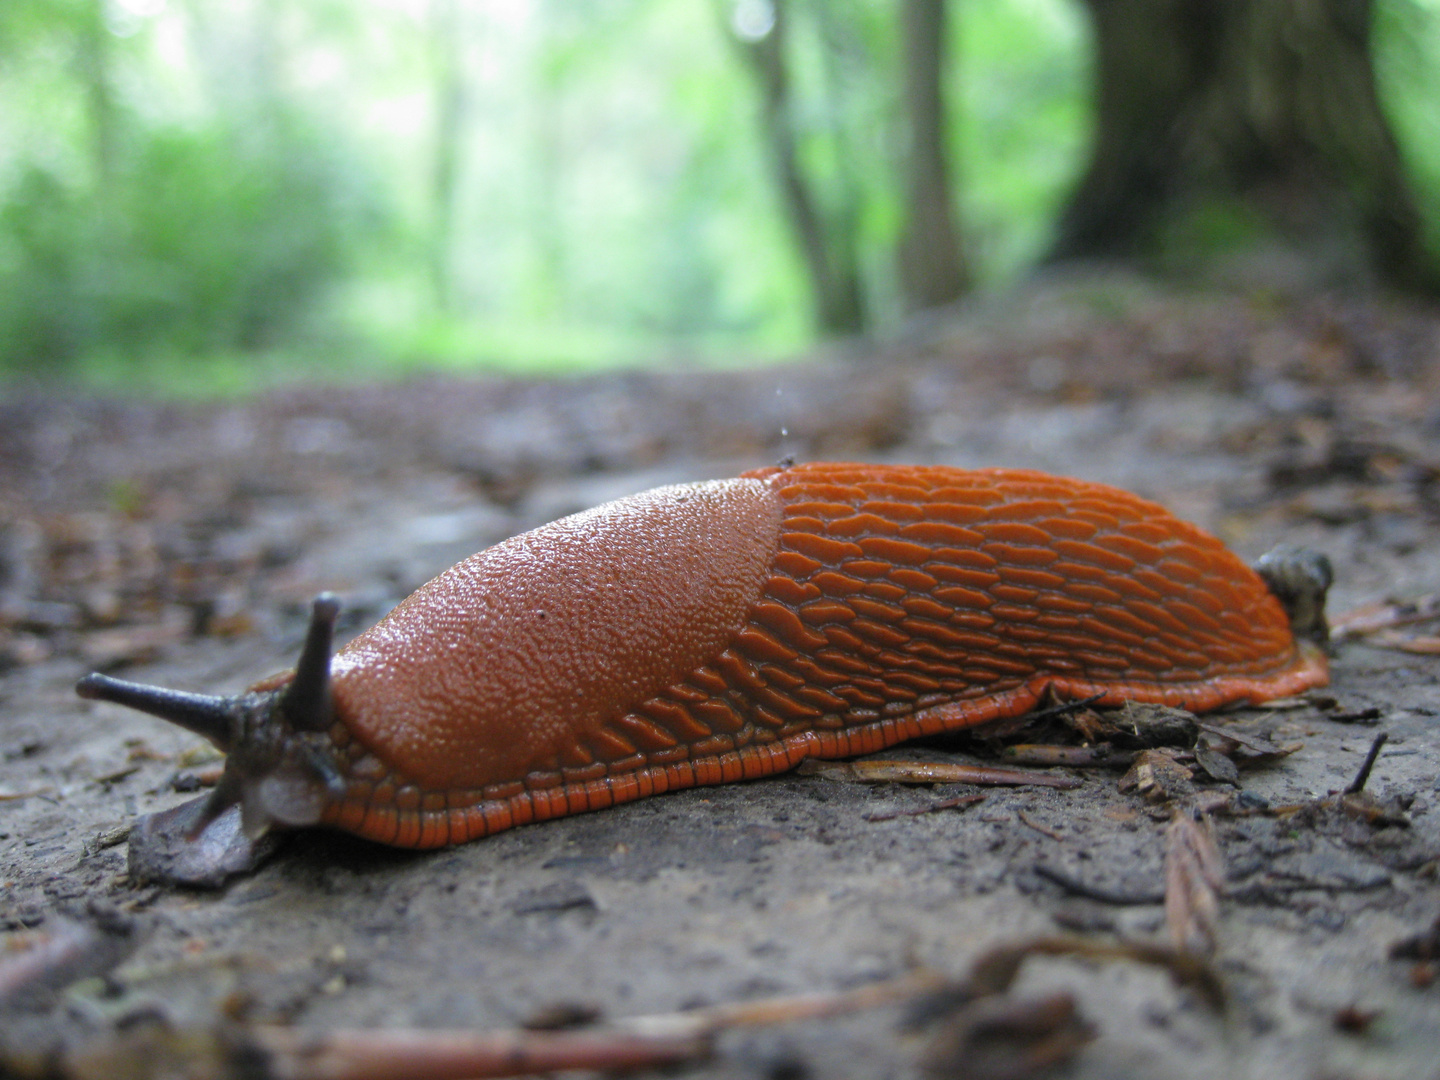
180, 545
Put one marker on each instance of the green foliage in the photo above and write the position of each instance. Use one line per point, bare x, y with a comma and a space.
214, 194
1407, 67
1021, 94
201, 240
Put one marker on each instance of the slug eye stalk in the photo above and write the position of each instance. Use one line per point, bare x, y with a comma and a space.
306, 703
205, 714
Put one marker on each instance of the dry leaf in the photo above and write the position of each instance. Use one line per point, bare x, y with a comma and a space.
1157, 776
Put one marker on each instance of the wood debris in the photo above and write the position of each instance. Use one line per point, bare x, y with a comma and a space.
1380, 624
1102, 755
1158, 775
154, 1048
959, 802
1006, 1039
872, 771
1194, 876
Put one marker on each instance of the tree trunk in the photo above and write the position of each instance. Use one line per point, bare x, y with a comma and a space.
1271, 103
834, 273
94, 64
450, 93
932, 271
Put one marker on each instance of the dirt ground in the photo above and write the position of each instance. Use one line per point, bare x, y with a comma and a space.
180, 545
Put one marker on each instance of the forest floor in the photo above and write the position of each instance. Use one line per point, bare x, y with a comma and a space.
180, 545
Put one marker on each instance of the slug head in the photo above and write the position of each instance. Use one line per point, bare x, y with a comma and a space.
279, 759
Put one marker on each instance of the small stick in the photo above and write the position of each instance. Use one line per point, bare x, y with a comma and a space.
638, 1042
995, 971
1194, 875
11, 796
1371, 618
784, 1010
1095, 892
1025, 819
441, 1055
1063, 707
962, 802
1419, 644
1358, 784
1073, 756
55, 948
930, 772
115, 776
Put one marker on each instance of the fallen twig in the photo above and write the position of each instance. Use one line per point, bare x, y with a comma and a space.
930, 772
62, 952
996, 970
1372, 618
410, 1054
1063, 708
278, 1053
1419, 644
1004, 1038
1025, 819
1095, 892
440, 1055
960, 802
1358, 784
116, 775
1194, 876
1103, 755
7, 795
783, 1010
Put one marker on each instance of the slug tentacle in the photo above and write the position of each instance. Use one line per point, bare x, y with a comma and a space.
306, 703
205, 714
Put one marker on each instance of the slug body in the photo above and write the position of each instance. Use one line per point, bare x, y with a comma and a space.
722, 631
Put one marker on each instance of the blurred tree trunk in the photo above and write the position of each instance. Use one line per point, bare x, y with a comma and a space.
1269, 102
94, 64
932, 271
546, 210
449, 89
831, 262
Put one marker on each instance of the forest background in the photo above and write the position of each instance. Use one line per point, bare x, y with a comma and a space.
203, 197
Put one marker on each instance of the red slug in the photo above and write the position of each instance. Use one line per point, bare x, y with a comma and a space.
721, 631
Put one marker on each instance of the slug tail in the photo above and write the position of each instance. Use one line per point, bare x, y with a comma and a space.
1299, 578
